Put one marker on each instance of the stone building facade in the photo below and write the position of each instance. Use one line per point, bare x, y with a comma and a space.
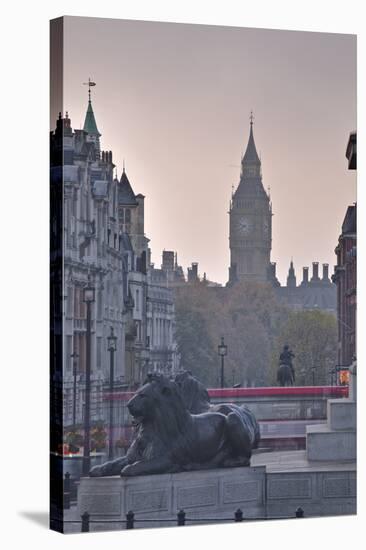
315, 292
104, 246
92, 252
150, 325
345, 274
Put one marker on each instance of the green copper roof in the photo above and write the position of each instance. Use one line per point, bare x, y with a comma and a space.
90, 125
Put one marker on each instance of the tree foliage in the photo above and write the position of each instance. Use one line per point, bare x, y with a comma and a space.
255, 327
312, 336
247, 315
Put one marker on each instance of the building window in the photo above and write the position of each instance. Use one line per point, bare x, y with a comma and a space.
99, 303
137, 300
138, 330
69, 301
99, 352
68, 353
127, 215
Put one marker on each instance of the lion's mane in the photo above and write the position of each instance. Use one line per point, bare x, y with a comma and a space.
168, 429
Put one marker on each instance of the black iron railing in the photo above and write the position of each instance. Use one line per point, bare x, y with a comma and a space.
181, 519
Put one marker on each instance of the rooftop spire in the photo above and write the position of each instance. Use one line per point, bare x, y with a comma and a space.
250, 162
89, 84
90, 124
126, 196
291, 277
251, 154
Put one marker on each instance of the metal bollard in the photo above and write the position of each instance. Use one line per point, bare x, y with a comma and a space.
67, 493
181, 517
85, 522
130, 517
299, 512
239, 515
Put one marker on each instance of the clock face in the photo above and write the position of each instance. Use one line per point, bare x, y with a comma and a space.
244, 226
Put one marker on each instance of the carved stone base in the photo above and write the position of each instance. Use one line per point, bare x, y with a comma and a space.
275, 486
202, 494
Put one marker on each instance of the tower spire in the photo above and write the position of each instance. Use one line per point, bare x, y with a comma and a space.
251, 162
89, 84
90, 125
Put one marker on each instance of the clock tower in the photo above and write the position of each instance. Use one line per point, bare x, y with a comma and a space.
250, 221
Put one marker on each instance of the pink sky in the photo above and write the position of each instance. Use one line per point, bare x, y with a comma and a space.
174, 100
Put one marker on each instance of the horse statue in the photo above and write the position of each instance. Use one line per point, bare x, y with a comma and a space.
286, 372
284, 375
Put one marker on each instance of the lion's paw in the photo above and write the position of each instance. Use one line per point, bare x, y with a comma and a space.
96, 471
127, 470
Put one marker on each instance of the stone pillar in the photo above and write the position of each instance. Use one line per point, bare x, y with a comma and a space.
352, 387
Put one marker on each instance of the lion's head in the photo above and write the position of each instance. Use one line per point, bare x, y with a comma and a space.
158, 402
193, 392
157, 392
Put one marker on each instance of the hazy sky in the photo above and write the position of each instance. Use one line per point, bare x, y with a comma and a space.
174, 100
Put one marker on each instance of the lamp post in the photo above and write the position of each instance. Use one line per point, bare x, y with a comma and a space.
222, 351
112, 347
88, 299
74, 357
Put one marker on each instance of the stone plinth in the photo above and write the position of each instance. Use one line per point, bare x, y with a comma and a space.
341, 414
323, 488
337, 439
202, 494
322, 443
275, 486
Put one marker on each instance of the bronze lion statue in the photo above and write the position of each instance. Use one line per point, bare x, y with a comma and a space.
197, 400
171, 439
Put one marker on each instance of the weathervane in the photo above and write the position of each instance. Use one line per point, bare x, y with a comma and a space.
89, 84
251, 117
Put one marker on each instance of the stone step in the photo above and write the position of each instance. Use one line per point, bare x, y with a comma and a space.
322, 443
341, 414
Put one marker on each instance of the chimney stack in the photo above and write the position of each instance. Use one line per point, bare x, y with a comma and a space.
315, 276
193, 272
305, 275
168, 260
326, 273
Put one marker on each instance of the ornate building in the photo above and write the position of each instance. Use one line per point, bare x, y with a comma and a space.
92, 251
150, 315
345, 273
250, 221
251, 242
103, 246
316, 292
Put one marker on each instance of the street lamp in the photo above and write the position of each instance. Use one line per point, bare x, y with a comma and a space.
88, 299
74, 357
112, 347
222, 351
